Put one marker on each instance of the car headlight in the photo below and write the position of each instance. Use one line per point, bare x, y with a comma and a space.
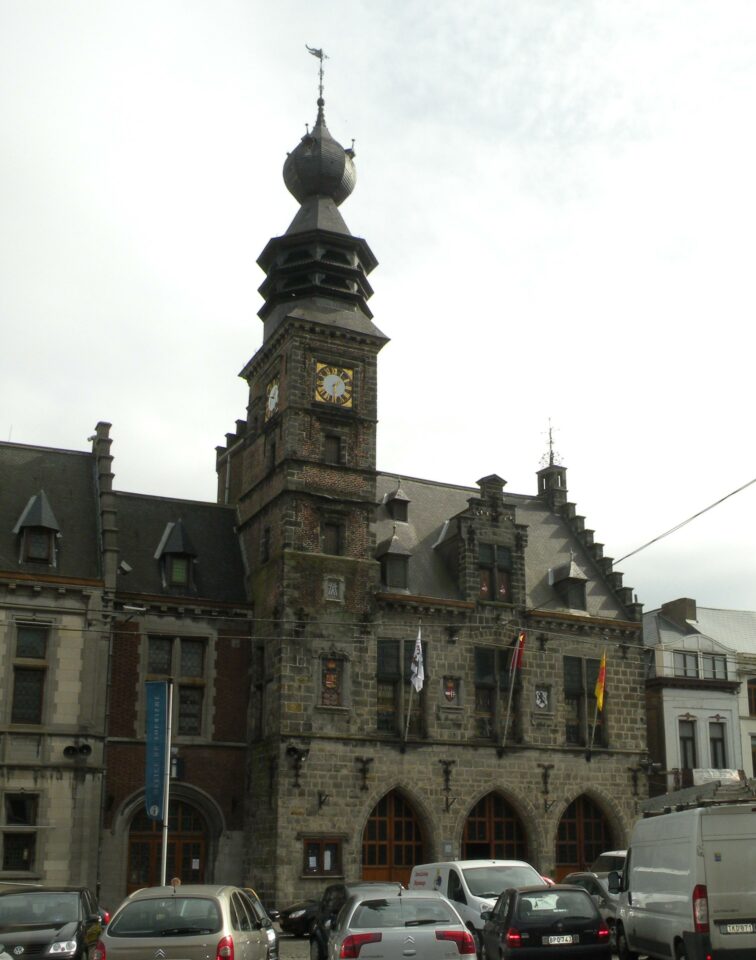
61, 947
296, 915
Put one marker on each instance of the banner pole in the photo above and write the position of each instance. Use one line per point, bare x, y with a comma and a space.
166, 786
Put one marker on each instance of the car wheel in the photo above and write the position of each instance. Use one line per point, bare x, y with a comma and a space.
680, 951
478, 941
623, 951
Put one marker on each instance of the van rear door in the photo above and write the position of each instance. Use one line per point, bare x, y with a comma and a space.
728, 836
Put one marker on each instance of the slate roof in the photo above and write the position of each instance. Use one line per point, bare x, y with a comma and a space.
208, 527
67, 478
735, 629
550, 543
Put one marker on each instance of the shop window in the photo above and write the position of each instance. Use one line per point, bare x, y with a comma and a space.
322, 857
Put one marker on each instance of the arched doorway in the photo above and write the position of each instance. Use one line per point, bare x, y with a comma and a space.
583, 833
494, 831
392, 842
187, 847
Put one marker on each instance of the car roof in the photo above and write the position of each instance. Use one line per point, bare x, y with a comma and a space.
38, 888
467, 864
183, 890
546, 888
404, 895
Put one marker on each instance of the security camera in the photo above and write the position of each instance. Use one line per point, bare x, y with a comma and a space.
124, 567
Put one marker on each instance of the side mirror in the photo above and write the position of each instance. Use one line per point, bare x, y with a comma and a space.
485, 915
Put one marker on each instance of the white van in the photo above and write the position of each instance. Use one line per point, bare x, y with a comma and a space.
473, 885
688, 889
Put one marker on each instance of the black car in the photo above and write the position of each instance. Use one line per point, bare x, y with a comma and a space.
545, 923
42, 920
297, 918
333, 899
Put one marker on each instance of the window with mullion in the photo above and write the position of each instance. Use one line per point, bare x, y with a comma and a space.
19, 845
183, 661
718, 756
583, 723
687, 733
395, 695
752, 700
686, 664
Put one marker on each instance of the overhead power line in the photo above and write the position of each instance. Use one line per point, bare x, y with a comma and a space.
684, 522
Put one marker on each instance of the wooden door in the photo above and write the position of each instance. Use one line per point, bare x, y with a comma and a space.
187, 843
392, 842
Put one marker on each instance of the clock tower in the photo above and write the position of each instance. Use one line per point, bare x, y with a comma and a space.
301, 467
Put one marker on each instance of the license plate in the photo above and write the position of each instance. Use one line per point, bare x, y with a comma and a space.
737, 928
564, 938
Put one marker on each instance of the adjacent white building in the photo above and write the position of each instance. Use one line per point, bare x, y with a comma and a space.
700, 693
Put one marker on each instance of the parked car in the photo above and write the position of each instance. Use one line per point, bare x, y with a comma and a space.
473, 885
297, 918
598, 888
334, 897
687, 890
48, 920
266, 918
540, 922
191, 921
420, 923
608, 861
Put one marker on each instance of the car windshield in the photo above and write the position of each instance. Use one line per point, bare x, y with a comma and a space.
400, 912
607, 862
490, 881
166, 917
43, 906
546, 907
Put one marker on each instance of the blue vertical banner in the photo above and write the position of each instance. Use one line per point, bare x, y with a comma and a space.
157, 733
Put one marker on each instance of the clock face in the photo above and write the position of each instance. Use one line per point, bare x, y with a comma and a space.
271, 398
334, 384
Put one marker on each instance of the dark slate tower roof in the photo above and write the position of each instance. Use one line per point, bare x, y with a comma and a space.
319, 166
317, 264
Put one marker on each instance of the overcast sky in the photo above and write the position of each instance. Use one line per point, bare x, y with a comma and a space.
560, 193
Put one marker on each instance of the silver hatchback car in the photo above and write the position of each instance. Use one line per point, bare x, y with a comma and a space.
420, 923
191, 922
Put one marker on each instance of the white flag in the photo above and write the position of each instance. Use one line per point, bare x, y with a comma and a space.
417, 673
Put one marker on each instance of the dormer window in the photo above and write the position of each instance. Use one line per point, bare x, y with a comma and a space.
394, 558
495, 572
398, 510
569, 581
38, 545
177, 557
397, 504
178, 570
395, 572
38, 532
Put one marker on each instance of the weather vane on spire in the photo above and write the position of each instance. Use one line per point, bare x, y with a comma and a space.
321, 56
552, 456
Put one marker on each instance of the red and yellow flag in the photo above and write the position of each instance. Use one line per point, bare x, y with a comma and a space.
520, 650
598, 691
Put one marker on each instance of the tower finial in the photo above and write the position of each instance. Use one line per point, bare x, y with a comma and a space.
552, 456
320, 54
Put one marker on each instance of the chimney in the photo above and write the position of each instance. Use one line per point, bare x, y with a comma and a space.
679, 611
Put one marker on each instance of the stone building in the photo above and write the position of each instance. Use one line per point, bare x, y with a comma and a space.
354, 772
289, 616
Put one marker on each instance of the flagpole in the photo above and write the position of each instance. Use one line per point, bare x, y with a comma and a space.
166, 787
513, 666
409, 712
593, 734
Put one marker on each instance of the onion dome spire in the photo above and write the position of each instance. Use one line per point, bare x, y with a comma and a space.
319, 166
